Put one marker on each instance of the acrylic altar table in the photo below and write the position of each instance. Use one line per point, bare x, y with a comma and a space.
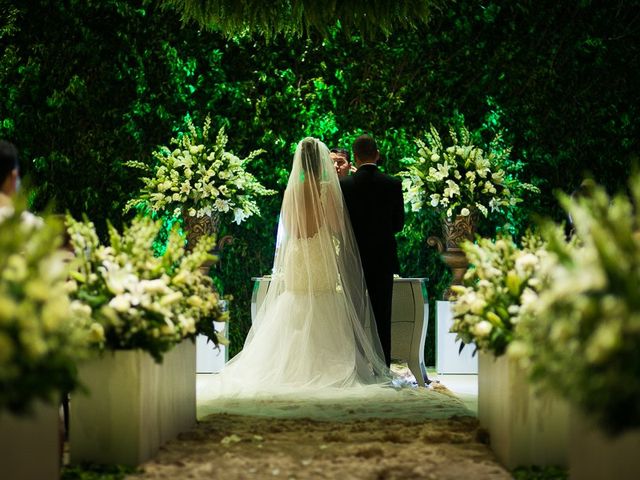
409, 320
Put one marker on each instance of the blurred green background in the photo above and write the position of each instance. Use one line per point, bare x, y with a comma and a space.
88, 85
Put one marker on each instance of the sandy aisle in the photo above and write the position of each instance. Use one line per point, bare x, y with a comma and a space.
411, 444
232, 447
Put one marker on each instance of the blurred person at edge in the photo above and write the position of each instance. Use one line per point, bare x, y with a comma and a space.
9, 173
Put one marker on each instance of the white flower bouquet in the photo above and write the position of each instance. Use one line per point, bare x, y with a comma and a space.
581, 338
140, 300
199, 178
502, 278
42, 332
461, 178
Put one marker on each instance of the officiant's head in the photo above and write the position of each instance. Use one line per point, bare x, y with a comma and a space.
365, 150
341, 160
9, 170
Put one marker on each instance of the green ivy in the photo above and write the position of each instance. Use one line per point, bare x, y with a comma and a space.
88, 85
97, 472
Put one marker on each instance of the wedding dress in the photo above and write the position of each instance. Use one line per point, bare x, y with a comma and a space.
314, 337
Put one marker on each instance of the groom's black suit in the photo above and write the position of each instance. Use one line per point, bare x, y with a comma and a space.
376, 208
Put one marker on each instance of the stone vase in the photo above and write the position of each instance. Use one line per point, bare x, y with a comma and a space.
133, 405
454, 233
197, 227
525, 428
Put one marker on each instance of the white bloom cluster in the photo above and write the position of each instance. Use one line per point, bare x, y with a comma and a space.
580, 336
199, 179
142, 300
487, 309
460, 178
42, 332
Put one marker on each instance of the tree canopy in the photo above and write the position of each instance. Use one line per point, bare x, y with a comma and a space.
368, 18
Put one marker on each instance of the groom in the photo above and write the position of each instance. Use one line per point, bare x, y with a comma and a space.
376, 208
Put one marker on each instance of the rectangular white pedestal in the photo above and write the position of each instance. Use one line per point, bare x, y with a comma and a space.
209, 358
593, 455
134, 405
448, 360
525, 429
30, 445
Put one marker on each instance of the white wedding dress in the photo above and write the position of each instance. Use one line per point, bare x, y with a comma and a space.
314, 338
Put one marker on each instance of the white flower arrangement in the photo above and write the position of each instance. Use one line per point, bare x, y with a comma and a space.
461, 178
501, 279
581, 337
42, 332
140, 300
199, 178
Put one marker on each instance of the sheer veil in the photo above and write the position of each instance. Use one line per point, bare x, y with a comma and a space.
313, 350
315, 329
313, 208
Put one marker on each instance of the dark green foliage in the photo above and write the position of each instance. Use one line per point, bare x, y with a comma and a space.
540, 473
295, 17
97, 472
87, 85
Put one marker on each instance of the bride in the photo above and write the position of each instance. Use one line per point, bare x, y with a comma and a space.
315, 329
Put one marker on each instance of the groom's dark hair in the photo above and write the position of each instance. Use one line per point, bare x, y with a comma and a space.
365, 148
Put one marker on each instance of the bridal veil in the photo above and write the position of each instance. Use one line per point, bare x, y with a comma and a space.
315, 329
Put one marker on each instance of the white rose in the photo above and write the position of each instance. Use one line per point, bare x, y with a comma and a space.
31, 221
465, 212
120, 303
195, 301
15, 269
157, 285
170, 298
482, 329
517, 350
168, 329
606, 339
96, 333
80, 309
239, 215
526, 263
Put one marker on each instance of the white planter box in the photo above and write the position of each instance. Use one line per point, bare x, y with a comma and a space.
30, 446
449, 359
525, 428
211, 358
134, 405
593, 455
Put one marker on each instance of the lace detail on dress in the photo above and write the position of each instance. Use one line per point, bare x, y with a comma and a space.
308, 269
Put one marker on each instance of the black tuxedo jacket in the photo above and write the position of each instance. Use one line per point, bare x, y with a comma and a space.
376, 208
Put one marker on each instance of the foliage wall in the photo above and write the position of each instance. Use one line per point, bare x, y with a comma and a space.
86, 85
